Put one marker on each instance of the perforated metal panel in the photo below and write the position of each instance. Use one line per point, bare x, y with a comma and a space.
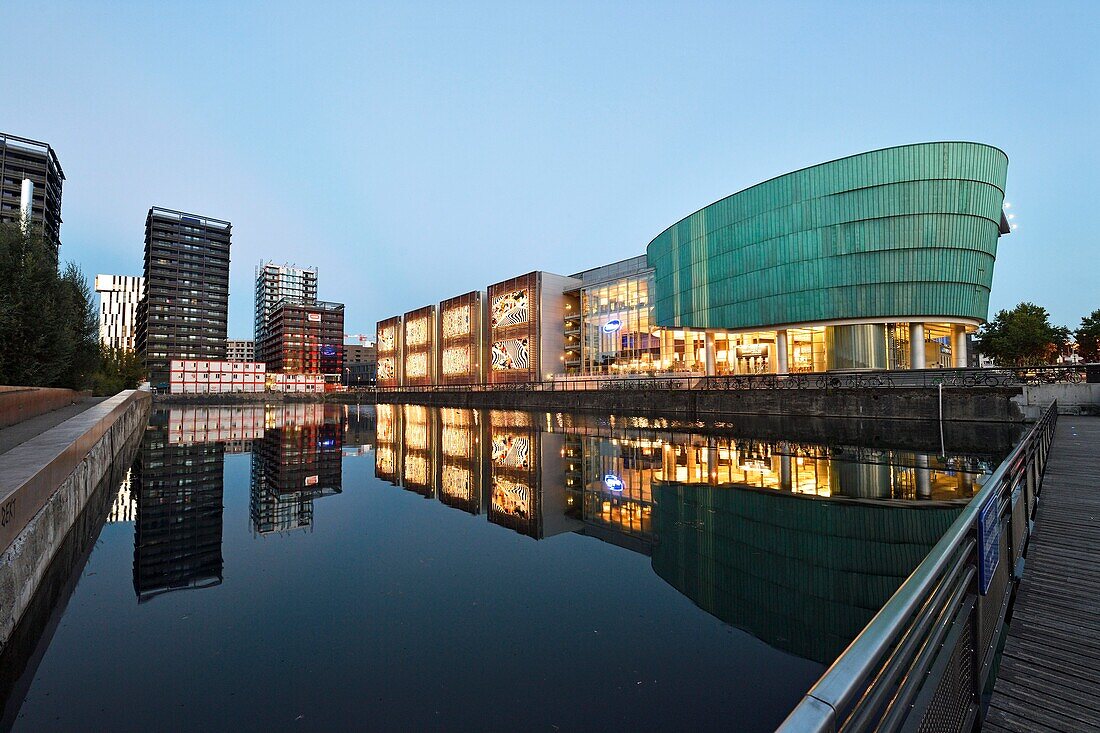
953, 703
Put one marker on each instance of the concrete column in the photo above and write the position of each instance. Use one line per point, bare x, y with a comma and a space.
916, 346
781, 352
710, 355
924, 477
26, 203
958, 346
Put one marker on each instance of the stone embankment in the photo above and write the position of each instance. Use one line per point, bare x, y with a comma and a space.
46, 484
984, 404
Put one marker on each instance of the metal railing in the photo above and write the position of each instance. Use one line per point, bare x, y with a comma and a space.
958, 378
925, 660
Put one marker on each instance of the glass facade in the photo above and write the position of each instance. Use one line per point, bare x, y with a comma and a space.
618, 333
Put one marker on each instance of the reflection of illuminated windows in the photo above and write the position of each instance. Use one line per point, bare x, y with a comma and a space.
387, 368
385, 338
456, 360
416, 365
511, 498
511, 450
456, 441
384, 460
456, 321
510, 309
416, 470
416, 332
457, 482
511, 354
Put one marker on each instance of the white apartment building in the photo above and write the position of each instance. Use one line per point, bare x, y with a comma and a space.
275, 283
118, 302
240, 350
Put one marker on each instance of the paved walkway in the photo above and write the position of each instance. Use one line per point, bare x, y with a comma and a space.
1049, 678
21, 432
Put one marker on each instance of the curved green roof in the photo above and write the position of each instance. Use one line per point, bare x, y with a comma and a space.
898, 232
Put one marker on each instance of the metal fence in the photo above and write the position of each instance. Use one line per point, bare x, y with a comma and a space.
968, 378
925, 660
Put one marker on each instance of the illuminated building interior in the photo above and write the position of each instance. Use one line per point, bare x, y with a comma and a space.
616, 332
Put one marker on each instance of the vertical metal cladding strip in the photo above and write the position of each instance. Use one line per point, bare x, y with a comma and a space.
906, 231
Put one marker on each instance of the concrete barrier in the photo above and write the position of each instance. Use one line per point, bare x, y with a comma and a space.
20, 403
986, 404
1073, 399
45, 484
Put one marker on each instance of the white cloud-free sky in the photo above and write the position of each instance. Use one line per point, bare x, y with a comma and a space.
415, 151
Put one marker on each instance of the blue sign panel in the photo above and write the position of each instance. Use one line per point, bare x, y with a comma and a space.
612, 326
613, 482
327, 350
989, 542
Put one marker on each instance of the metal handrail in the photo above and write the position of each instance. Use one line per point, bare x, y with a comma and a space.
837, 694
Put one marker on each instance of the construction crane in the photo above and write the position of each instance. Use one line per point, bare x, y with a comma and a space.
363, 338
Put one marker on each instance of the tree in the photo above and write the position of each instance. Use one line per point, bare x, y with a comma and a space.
119, 369
1088, 337
1022, 336
47, 320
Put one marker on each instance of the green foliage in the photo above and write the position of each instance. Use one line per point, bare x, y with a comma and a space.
119, 369
47, 320
1023, 336
1088, 337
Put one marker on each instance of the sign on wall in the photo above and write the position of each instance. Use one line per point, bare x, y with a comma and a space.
989, 542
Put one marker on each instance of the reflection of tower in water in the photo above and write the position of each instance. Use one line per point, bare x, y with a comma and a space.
299, 459
178, 530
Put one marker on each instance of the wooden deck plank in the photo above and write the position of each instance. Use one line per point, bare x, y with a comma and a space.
1049, 678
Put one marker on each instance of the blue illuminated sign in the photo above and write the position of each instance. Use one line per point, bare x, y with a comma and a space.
613, 482
612, 326
989, 542
328, 350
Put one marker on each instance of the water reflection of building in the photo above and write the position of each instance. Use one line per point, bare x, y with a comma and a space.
735, 523
178, 529
462, 469
419, 450
360, 429
299, 459
124, 506
803, 575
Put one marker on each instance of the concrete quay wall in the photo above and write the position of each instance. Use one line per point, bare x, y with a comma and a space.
45, 485
985, 404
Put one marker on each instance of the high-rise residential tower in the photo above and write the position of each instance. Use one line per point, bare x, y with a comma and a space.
119, 296
275, 283
30, 185
184, 312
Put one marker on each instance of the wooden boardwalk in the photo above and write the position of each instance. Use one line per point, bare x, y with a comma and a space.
1049, 678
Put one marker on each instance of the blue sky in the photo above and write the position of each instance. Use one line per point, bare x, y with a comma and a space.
415, 151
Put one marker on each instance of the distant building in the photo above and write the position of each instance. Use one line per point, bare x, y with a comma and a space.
304, 338
240, 350
276, 283
360, 366
119, 296
31, 178
183, 314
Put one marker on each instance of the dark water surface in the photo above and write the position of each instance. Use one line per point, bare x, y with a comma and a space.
306, 567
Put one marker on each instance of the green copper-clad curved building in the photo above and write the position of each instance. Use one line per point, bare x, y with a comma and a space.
848, 263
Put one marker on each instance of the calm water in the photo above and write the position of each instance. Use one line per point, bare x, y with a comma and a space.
400, 567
